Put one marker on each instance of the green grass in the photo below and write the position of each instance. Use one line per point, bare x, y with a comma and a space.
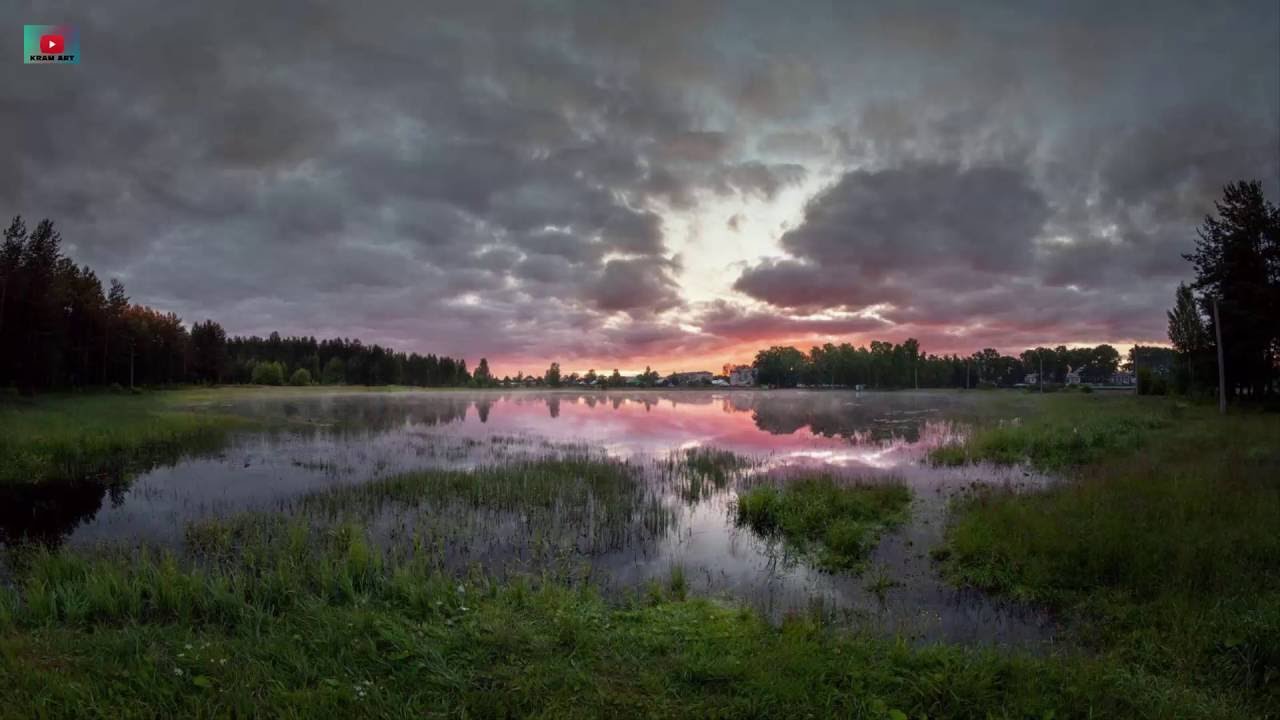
837, 524
304, 622
68, 437
1065, 430
1162, 543
100, 434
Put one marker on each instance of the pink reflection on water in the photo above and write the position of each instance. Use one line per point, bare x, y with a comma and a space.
852, 435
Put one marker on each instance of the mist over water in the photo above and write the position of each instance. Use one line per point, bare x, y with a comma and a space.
335, 440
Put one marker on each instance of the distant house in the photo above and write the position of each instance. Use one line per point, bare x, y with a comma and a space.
1123, 378
1032, 379
698, 377
742, 375
1073, 376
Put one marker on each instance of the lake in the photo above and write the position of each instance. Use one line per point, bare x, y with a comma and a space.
316, 441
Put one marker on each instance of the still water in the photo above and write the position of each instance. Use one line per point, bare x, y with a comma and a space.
344, 439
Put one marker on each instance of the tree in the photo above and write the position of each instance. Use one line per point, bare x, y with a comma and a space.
553, 375
1187, 333
590, 377
649, 377
1237, 262
208, 351
781, 366
481, 376
334, 372
300, 377
615, 380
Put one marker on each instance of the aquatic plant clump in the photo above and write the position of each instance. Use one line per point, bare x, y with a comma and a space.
835, 523
570, 500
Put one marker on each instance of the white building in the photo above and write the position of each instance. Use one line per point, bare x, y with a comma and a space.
742, 375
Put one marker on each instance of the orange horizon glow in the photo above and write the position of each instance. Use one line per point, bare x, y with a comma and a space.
744, 354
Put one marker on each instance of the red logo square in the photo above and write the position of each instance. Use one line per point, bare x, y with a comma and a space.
51, 45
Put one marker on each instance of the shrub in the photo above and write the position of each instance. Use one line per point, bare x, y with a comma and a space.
300, 377
268, 373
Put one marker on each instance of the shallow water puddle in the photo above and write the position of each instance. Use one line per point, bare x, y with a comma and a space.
680, 519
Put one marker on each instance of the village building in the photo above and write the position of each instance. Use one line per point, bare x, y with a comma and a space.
740, 375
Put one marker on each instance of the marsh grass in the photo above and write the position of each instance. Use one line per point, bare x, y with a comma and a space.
1163, 542
700, 472
68, 437
565, 499
270, 617
1066, 430
837, 524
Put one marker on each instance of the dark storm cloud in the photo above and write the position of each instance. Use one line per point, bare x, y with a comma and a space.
891, 237
502, 178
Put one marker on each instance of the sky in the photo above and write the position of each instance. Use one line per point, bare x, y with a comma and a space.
615, 184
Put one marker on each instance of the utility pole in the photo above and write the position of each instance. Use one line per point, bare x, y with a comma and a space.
1040, 375
1222, 368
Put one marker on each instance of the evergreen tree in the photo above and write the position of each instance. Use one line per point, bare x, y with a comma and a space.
1237, 263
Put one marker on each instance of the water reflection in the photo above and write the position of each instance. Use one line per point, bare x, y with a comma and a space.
344, 439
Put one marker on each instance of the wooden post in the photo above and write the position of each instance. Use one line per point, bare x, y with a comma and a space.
1222, 368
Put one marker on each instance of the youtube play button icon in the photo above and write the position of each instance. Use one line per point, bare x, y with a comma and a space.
52, 44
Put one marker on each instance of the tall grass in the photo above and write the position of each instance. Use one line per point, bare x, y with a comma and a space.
1067, 430
270, 617
1164, 542
834, 522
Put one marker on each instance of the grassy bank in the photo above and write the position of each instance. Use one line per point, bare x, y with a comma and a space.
276, 616
1162, 542
73, 435
65, 437
837, 525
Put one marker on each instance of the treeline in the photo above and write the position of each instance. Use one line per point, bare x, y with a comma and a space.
885, 365
59, 328
339, 361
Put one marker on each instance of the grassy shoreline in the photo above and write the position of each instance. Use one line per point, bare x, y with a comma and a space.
1161, 543
67, 437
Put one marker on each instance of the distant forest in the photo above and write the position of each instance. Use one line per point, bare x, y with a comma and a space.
905, 365
60, 329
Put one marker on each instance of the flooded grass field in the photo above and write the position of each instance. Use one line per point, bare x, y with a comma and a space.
619, 490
